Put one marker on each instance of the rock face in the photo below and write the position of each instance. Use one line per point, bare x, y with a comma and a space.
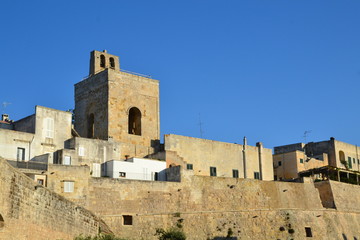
30, 211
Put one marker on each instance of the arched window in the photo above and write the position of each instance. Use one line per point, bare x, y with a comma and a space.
112, 63
102, 61
2, 222
341, 156
91, 124
135, 121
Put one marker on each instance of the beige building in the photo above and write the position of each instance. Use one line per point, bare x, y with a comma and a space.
291, 159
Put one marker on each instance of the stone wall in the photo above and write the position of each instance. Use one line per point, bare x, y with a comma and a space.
29, 211
208, 206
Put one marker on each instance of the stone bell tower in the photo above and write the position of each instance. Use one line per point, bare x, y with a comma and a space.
113, 104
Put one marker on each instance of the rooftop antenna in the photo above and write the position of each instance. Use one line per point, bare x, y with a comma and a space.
4, 105
200, 126
306, 133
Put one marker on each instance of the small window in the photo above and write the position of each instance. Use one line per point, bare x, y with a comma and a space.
40, 182
256, 175
127, 220
308, 232
102, 61
279, 163
67, 160
235, 173
358, 161
112, 63
213, 171
20, 154
122, 174
189, 166
81, 151
156, 176
68, 186
301, 160
354, 160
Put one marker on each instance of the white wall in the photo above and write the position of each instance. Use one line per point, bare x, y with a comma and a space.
135, 168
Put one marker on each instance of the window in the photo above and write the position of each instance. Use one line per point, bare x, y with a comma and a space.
213, 171
49, 127
40, 182
279, 163
156, 176
102, 61
358, 161
189, 166
308, 232
349, 162
20, 154
235, 173
127, 220
67, 160
354, 160
81, 151
68, 186
122, 174
256, 175
2, 222
112, 63
91, 125
135, 121
301, 160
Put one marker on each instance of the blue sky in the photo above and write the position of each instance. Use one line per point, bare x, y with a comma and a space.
268, 70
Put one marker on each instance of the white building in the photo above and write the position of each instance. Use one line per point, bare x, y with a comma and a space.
135, 168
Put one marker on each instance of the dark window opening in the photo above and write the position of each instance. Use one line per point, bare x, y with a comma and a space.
308, 232
102, 61
301, 160
112, 63
213, 171
279, 163
349, 162
235, 173
2, 222
127, 220
122, 174
20, 154
91, 125
256, 175
189, 166
135, 121
156, 176
40, 182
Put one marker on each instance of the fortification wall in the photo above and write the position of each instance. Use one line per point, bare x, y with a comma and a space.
207, 207
29, 211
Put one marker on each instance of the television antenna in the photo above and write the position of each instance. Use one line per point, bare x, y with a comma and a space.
306, 133
200, 127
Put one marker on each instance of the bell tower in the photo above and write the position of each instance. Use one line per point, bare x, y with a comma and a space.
113, 104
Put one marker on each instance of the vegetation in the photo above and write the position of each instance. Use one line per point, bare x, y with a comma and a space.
170, 234
98, 237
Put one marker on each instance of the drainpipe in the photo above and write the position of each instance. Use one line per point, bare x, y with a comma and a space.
244, 156
259, 145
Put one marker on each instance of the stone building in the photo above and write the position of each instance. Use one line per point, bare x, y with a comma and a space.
290, 160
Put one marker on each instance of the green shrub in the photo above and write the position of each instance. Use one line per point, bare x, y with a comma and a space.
170, 234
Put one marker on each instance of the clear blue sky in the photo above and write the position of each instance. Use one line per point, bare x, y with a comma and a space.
268, 70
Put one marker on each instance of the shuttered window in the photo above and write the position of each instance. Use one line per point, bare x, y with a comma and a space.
49, 127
